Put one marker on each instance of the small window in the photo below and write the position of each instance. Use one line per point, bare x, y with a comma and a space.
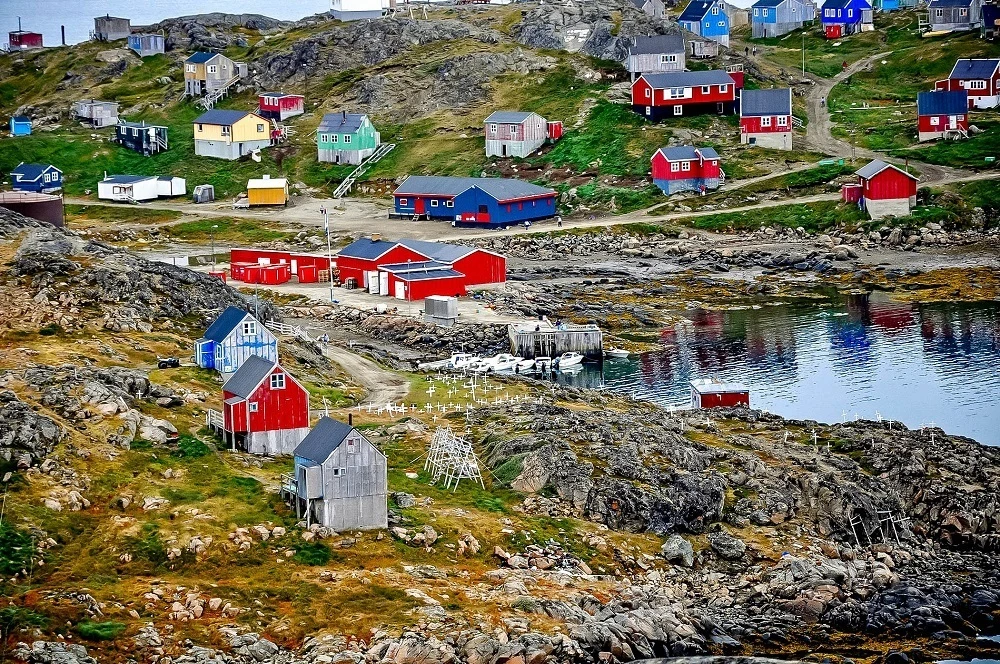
212, 69
963, 12
705, 89
685, 165
938, 13
335, 138
201, 127
55, 176
764, 11
765, 121
667, 59
715, 11
191, 68
450, 204
260, 128
347, 138
253, 406
708, 24
782, 121
324, 138
434, 202
402, 201
722, 24
227, 130
353, 445
250, 328
935, 120
648, 93
278, 381
674, 167
960, 118
335, 472
513, 130
756, 12
678, 110
47, 177
493, 128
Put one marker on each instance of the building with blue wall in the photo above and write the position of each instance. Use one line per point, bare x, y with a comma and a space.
234, 336
773, 18
707, 18
20, 126
845, 17
43, 178
473, 201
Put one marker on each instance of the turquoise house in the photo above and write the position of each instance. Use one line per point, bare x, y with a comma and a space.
20, 126
346, 138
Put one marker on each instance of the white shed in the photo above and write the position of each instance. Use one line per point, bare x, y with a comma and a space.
168, 185
128, 188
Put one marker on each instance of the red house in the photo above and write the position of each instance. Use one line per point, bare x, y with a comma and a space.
675, 94
979, 77
714, 393
942, 115
280, 106
478, 266
415, 281
22, 40
305, 267
360, 260
686, 168
265, 410
766, 118
886, 189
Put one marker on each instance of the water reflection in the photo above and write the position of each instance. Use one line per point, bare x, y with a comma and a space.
922, 364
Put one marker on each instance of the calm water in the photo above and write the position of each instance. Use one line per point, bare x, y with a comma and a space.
920, 364
46, 16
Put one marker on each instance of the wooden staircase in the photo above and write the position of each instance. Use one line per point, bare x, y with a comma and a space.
208, 101
376, 156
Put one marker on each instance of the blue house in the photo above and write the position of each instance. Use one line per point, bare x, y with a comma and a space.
231, 339
846, 17
885, 5
36, 177
773, 18
707, 18
474, 201
20, 126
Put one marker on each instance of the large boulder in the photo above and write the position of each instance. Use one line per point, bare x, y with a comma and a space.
678, 550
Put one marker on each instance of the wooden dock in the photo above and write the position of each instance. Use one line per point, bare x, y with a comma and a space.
541, 338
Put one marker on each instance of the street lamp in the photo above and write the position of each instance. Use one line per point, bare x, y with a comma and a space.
214, 228
329, 250
803, 53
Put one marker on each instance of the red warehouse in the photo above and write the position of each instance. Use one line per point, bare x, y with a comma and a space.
942, 115
23, 40
478, 266
279, 106
714, 393
360, 259
979, 77
766, 118
415, 281
265, 410
674, 94
886, 190
306, 267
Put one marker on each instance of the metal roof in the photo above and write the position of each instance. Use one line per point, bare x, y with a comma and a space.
21, 118
844, 4
225, 324
127, 179
342, 122
974, 67
951, 102
415, 265
439, 251
367, 249
657, 44
683, 79
509, 117
444, 273
267, 183
279, 94
200, 58
31, 172
324, 438
876, 166
687, 152
775, 101
220, 116
97, 102
933, 4
246, 379
501, 189
139, 125
768, 3
696, 10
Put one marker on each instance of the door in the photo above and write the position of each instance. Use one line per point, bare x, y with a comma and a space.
372, 281
503, 150
400, 290
383, 283
295, 267
952, 122
418, 206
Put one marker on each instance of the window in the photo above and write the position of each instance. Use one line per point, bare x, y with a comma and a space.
450, 204
678, 93
260, 128
513, 130
975, 85
935, 120
685, 165
722, 24
960, 118
850, 13
250, 328
756, 12
201, 127
648, 93
705, 89
667, 59
723, 88
764, 11
674, 167
226, 130
335, 138
434, 202
493, 129
714, 162
678, 110
347, 138
212, 69
46, 177
938, 13
963, 12
765, 121
55, 176
324, 138
715, 11
353, 445
339, 472
278, 381
191, 68
708, 24
402, 201
253, 406
783, 121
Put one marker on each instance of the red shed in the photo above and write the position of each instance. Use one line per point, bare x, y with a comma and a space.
358, 259
713, 393
253, 274
280, 106
478, 266
887, 189
275, 274
554, 129
415, 281
23, 40
265, 410
292, 259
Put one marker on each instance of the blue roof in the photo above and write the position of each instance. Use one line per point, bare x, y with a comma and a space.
31, 172
366, 248
342, 123
974, 67
954, 102
429, 274
414, 265
687, 152
501, 189
225, 324
21, 118
439, 251
768, 3
201, 57
696, 10
682, 79
949, 3
219, 116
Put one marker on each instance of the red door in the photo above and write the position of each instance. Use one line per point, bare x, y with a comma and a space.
418, 206
833, 31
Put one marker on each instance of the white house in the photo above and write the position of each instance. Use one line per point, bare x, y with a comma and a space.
168, 185
353, 10
128, 188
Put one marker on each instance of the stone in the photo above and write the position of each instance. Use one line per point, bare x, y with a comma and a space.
726, 546
678, 549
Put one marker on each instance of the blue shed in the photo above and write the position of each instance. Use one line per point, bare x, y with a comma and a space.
231, 339
845, 17
36, 177
476, 201
20, 126
707, 18
885, 5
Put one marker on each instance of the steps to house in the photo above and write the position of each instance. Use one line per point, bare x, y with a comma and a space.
376, 156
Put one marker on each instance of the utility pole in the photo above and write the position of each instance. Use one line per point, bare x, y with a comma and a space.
329, 250
803, 53
214, 228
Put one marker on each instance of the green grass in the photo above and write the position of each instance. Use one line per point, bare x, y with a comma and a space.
811, 216
15, 618
100, 631
312, 553
229, 230
191, 448
116, 215
623, 199
15, 550
970, 153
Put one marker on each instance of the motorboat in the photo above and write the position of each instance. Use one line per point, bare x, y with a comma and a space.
462, 360
617, 353
543, 362
524, 365
569, 359
570, 369
505, 362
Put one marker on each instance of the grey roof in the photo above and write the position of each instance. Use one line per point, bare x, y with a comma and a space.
657, 44
414, 265
201, 57
31, 172
341, 123
681, 79
220, 116
974, 68
775, 101
685, 152
324, 438
509, 117
429, 274
225, 324
139, 125
366, 248
945, 102
876, 166
248, 376
948, 3
279, 94
127, 179
439, 251
501, 189
97, 102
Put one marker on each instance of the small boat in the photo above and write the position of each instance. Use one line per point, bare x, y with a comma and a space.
571, 369
482, 365
505, 362
524, 365
617, 353
569, 359
462, 360
543, 363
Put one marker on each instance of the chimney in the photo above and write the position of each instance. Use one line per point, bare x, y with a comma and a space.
350, 419
376, 237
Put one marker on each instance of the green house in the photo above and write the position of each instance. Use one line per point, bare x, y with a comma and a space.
346, 138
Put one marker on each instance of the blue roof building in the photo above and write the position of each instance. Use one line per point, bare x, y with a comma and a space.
234, 337
474, 201
42, 178
707, 18
845, 17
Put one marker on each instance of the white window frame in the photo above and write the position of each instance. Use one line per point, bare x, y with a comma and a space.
708, 24
676, 93
724, 88
335, 138
678, 109
935, 120
434, 202
850, 13
213, 69
250, 328
649, 93
513, 130
260, 128
722, 24
675, 167
253, 406
960, 118
963, 12
782, 120
765, 121
449, 204
706, 89
347, 138
278, 381
353, 445
975, 85
715, 11
685, 165
191, 68
668, 59
938, 13
493, 128
764, 12
756, 12
227, 130
47, 177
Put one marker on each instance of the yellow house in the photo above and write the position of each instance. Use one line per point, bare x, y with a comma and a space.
230, 134
267, 191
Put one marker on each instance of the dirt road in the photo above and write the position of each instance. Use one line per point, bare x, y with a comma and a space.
382, 386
